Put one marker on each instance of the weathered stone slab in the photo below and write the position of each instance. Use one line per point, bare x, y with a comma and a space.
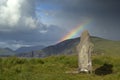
84, 50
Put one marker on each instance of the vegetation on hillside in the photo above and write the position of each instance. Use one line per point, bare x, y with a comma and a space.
106, 47
55, 67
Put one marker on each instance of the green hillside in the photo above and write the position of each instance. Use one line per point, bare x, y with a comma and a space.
55, 68
106, 47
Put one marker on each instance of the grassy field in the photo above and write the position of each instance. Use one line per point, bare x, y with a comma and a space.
55, 67
106, 65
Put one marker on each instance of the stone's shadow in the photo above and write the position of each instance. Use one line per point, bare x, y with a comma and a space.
104, 70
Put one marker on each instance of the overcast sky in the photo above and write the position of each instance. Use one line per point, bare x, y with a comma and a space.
45, 22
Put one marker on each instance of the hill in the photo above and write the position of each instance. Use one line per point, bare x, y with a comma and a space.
101, 46
4, 52
65, 47
106, 47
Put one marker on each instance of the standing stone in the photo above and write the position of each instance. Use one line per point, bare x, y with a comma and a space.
84, 50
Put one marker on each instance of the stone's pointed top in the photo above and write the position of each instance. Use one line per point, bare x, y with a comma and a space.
85, 36
85, 33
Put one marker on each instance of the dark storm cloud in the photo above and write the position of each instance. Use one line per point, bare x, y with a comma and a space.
92, 8
82, 6
104, 13
46, 36
75, 9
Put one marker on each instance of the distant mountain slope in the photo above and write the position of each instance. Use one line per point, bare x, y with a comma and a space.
102, 46
65, 47
29, 49
62, 47
6, 52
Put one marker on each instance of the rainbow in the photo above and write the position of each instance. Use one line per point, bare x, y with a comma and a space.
75, 31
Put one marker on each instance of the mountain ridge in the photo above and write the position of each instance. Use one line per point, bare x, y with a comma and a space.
5, 52
69, 47
29, 49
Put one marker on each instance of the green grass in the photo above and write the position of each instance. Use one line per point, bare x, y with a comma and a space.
107, 47
54, 68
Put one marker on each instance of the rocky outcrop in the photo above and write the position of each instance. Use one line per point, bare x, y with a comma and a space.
84, 50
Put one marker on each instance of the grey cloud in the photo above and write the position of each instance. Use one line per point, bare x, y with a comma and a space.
31, 37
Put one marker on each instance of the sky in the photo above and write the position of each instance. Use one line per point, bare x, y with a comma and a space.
46, 22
